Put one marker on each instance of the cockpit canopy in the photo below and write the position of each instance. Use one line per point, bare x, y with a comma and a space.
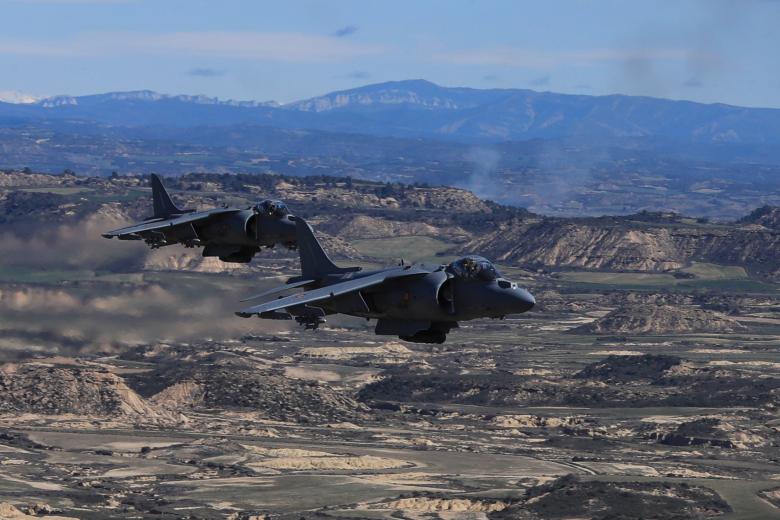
277, 208
473, 267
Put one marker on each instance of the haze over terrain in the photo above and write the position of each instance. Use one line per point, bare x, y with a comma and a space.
554, 153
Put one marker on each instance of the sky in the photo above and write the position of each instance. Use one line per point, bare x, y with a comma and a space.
708, 50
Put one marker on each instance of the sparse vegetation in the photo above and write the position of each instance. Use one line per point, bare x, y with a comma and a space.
130, 390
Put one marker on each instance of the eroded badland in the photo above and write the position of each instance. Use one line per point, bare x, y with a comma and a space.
645, 383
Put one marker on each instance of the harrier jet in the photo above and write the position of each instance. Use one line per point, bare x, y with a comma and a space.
233, 235
419, 303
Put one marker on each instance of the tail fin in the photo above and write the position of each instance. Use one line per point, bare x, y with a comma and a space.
315, 262
163, 205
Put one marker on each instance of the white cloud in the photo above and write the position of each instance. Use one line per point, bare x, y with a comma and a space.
285, 47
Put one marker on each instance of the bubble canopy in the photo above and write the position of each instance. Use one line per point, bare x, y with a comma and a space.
474, 267
272, 207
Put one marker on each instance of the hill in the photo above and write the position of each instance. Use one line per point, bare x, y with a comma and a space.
454, 221
422, 108
641, 242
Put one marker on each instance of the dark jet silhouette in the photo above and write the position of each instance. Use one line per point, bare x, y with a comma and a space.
233, 235
419, 303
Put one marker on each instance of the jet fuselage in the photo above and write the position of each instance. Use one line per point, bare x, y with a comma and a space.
436, 296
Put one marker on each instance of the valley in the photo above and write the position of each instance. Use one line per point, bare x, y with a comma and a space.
645, 379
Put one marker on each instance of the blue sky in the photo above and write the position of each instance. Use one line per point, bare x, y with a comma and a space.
709, 50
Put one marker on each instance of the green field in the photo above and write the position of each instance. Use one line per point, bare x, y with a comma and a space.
619, 279
58, 191
705, 271
706, 276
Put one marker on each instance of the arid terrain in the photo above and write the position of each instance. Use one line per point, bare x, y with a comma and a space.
644, 384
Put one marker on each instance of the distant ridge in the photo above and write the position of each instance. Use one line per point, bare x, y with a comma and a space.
421, 109
13, 96
519, 114
146, 95
417, 92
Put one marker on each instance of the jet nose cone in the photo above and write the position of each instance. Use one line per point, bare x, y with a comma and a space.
526, 300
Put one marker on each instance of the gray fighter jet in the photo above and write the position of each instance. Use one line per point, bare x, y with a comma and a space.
419, 303
233, 235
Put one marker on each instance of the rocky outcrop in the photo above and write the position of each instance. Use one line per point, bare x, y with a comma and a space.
18, 179
365, 226
629, 368
772, 496
557, 243
711, 431
9, 512
766, 216
52, 390
180, 259
660, 319
425, 504
623, 243
617, 381
235, 388
568, 497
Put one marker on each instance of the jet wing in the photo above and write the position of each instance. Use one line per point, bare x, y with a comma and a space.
158, 224
332, 291
282, 288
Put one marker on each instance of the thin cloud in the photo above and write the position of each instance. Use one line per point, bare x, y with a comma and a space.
359, 74
533, 58
491, 78
693, 83
280, 47
205, 72
347, 30
540, 82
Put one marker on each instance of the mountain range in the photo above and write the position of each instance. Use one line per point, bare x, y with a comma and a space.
421, 109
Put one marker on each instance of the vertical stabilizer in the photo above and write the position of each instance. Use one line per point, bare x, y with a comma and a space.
315, 262
163, 205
